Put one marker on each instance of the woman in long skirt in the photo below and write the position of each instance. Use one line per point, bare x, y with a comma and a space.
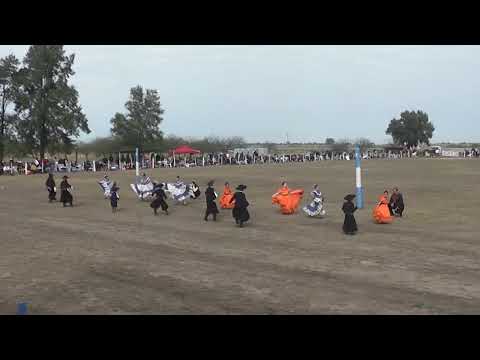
315, 208
52, 190
66, 195
381, 212
159, 200
349, 224
240, 212
226, 197
211, 196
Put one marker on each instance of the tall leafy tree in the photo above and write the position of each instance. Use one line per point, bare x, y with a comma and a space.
8, 69
140, 125
413, 128
46, 104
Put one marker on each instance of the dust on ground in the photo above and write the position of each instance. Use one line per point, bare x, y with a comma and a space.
86, 260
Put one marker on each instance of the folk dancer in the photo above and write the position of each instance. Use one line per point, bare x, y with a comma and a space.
240, 212
211, 196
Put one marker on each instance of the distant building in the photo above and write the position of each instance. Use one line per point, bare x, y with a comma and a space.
453, 152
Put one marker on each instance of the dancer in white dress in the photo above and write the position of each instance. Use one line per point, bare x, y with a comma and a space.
315, 208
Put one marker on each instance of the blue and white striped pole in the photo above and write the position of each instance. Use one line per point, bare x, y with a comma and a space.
137, 165
358, 178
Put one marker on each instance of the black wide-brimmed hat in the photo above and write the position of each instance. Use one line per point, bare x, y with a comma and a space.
349, 197
241, 187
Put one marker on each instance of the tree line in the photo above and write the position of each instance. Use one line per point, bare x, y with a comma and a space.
111, 145
40, 113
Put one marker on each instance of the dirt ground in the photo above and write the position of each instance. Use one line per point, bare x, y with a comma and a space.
86, 260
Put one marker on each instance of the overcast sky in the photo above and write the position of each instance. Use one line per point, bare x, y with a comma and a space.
264, 92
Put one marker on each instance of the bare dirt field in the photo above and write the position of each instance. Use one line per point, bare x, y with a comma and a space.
86, 260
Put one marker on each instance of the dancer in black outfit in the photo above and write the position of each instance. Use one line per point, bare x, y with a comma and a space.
66, 196
196, 190
114, 197
211, 196
240, 212
396, 204
349, 224
159, 200
50, 184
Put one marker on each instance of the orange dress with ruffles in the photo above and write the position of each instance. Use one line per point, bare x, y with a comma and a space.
381, 212
287, 199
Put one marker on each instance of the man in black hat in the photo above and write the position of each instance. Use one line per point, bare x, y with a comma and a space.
396, 204
52, 191
159, 200
240, 212
66, 195
114, 197
349, 224
211, 196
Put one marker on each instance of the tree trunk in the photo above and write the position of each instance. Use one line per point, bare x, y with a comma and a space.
43, 143
2, 125
2, 144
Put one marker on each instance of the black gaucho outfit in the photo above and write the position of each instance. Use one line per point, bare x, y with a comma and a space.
159, 200
50, 184
396, 205
66, 197
210, 197
114, 197
240, 212
196, 192
349, 224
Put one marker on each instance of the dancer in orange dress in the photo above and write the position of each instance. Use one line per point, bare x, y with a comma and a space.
381, 212
287, 199
226, 197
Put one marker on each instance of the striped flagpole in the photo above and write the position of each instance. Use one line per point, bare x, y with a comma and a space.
358, 178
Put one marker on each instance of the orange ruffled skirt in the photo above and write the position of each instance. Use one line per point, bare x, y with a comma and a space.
225, 199
381, 214
288, 201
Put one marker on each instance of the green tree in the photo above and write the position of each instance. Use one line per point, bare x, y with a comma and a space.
8, 69
413, 128
140, 126
46, 104
329, 141
100, 146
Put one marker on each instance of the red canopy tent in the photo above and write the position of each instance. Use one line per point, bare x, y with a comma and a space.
184, 149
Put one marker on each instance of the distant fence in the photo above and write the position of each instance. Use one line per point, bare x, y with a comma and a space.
150, 161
